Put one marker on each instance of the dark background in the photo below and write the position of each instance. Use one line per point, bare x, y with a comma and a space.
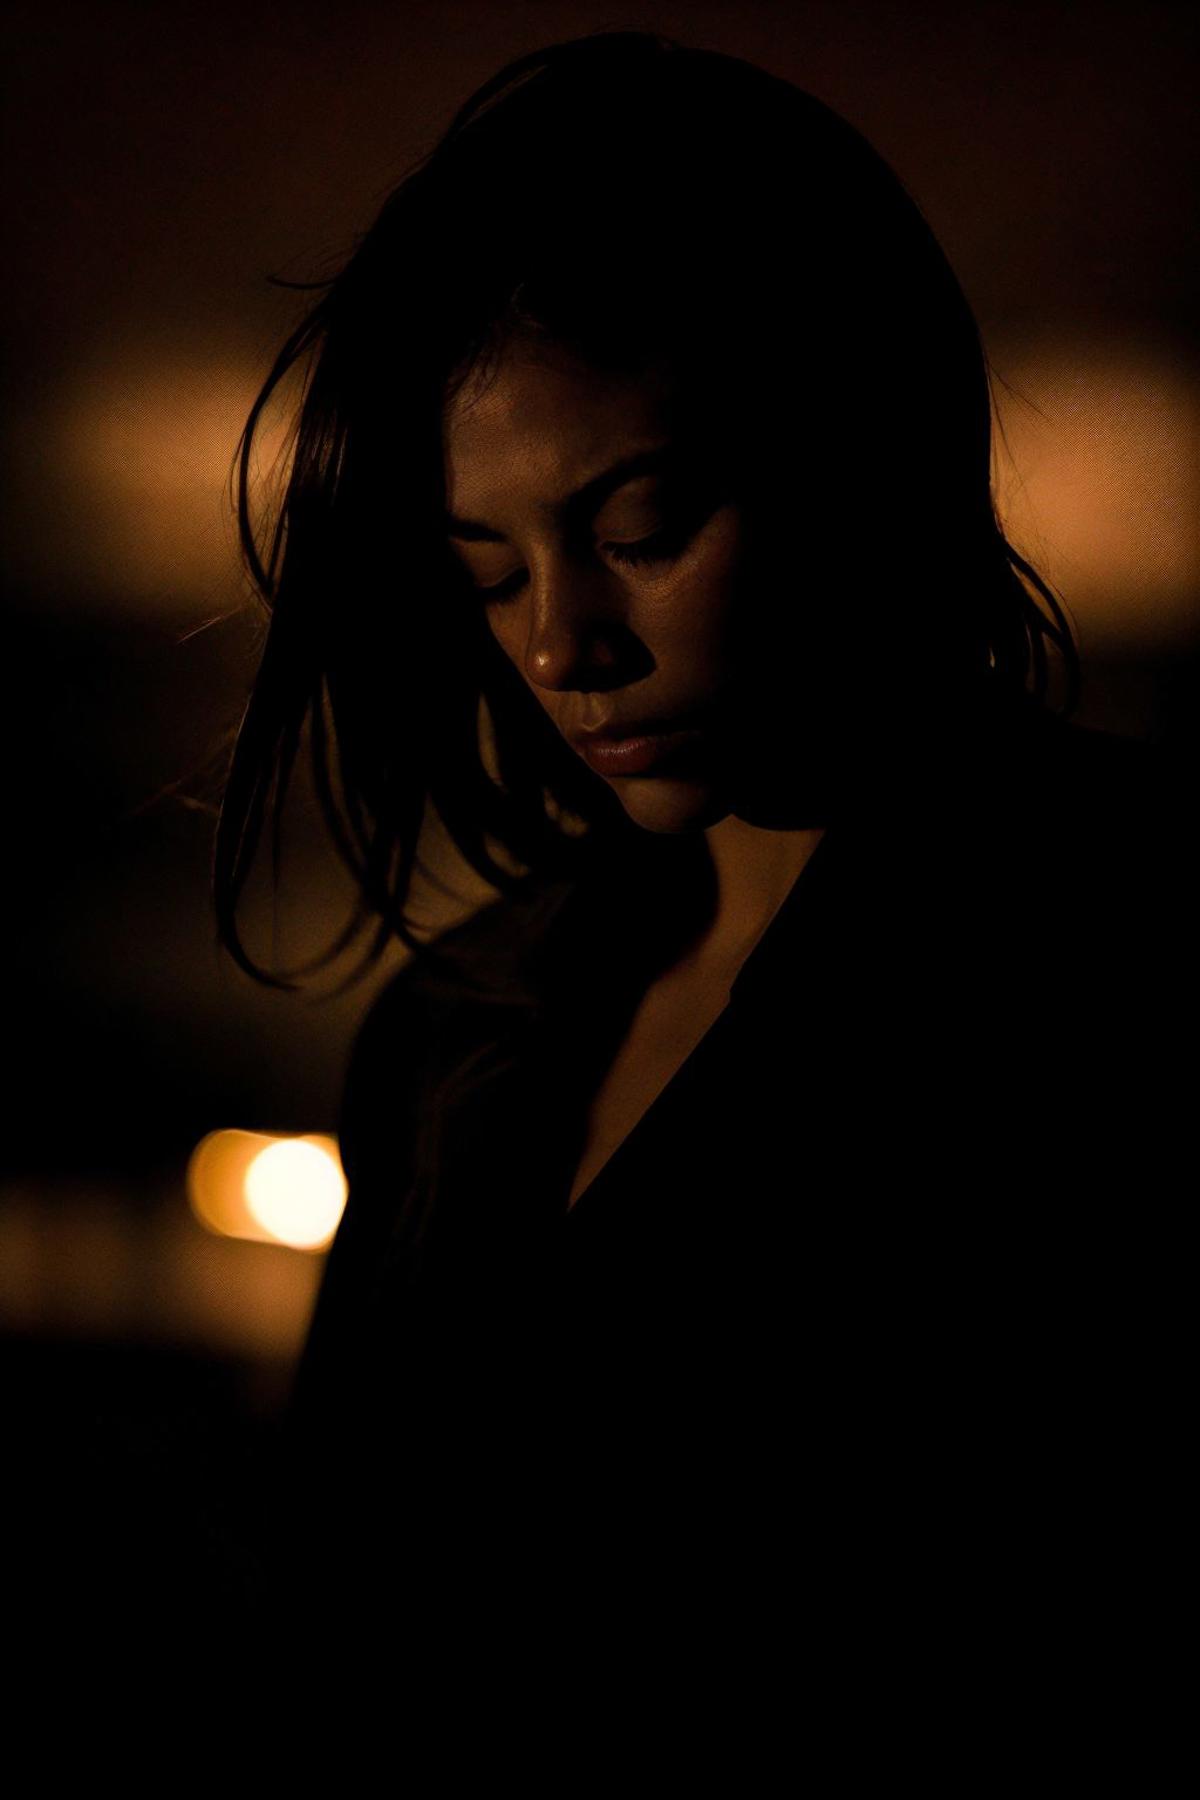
160, 164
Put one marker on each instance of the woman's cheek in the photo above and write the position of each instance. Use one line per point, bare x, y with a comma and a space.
707, 610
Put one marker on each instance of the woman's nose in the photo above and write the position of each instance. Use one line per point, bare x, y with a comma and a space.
576, 625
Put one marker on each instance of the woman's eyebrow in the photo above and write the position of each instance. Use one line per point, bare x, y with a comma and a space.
585, 499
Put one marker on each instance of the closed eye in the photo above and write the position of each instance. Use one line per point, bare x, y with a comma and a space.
501, 590
659, 546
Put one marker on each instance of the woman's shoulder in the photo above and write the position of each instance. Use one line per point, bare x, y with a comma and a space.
1038, 831
1097, 835
1105, 766
1066, 756
1079, 788
446, 996
1127, 797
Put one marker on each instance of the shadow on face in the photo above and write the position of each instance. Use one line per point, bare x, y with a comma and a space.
625, 569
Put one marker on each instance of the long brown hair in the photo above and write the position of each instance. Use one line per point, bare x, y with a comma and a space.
623, 193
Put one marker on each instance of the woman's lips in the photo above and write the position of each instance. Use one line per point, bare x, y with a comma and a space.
634, 755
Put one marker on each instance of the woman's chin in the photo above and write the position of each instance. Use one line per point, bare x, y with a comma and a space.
670, 805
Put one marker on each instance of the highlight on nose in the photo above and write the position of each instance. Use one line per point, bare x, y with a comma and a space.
569, 657
572, 630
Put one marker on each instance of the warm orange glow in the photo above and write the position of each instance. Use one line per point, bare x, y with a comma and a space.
1096, 477
148, 441
1098, 483
272, 1189
80, 1259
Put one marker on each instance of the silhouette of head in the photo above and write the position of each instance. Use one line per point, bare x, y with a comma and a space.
625, 247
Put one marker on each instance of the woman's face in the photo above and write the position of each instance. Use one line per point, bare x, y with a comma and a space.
609, 549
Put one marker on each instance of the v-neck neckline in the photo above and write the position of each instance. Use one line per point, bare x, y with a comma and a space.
754, 968
667, 1094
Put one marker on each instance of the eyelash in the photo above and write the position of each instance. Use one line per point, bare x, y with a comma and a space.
658, 547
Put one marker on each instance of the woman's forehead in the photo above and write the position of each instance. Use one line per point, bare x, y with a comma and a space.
550, 408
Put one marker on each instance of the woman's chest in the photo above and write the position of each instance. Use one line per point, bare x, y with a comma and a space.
670, 1022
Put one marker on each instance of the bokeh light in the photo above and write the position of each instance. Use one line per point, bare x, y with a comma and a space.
296, 1190
271, 1188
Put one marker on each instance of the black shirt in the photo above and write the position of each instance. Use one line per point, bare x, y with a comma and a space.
879, 1295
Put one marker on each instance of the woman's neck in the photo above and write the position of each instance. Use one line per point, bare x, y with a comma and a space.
756, 868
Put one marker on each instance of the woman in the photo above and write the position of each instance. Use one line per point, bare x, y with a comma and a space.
754, 1171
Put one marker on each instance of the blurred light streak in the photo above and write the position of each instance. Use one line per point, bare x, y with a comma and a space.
143, 450
1096, 475
81, 1262
268, 1188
